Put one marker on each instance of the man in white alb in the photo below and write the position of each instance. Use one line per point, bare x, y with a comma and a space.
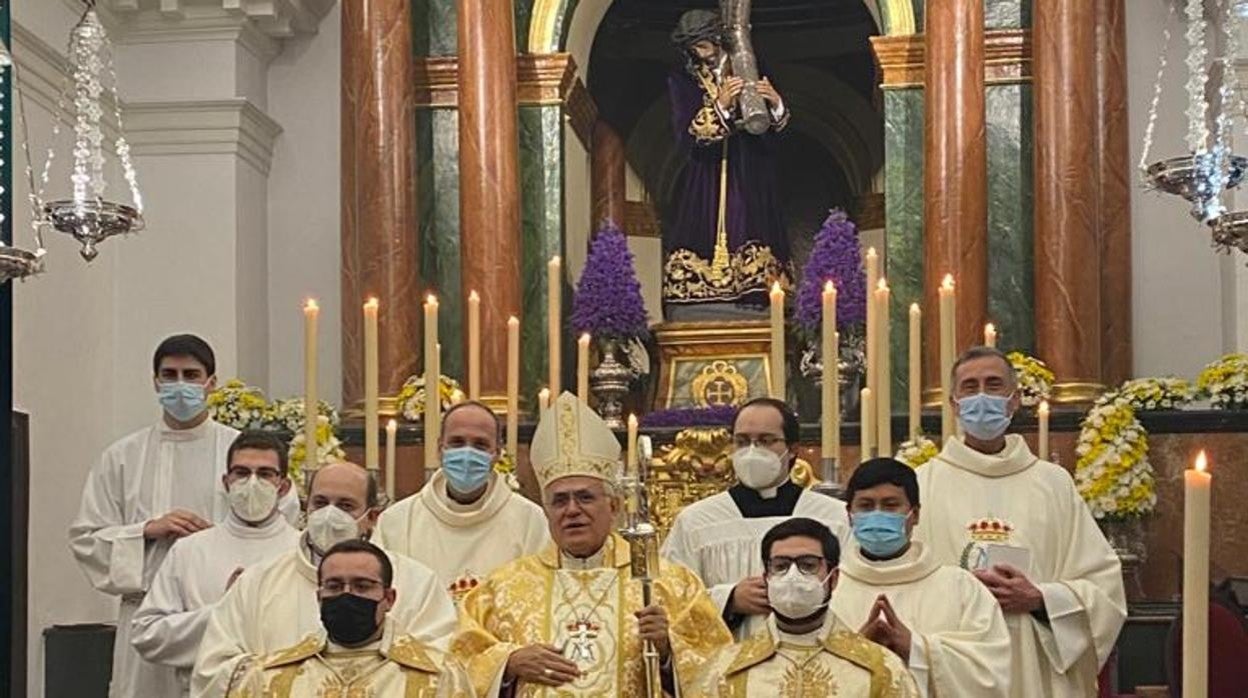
938, 618
718, 537
170, 623
1020, 525
148, 489
466, 521
273, 606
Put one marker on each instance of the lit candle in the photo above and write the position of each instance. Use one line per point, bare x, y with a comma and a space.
873, 277
582, 368
990, 335
372, 459
884, 372
1197, 485
630, 465
777, 341
474, 346
513, 385
830, 429
1042, 414
392, 429
947, 344
543, 399
554, 313
866, 434
311, 312
431, 382
916, 371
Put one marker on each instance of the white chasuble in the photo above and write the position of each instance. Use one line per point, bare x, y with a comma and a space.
722, 546
973, 501
274, 606
462, 543
169, 625
586, 608
831, 661
959, 644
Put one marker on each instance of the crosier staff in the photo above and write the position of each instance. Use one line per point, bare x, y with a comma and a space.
643, 542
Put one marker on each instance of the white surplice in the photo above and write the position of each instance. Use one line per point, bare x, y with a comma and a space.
169, 625
139, 478
973, 500
959, 643
722, 546
463, 543
274, 606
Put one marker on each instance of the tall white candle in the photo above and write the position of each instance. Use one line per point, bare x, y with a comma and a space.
916, 371
778, 377
830, 426
1197, 487
474, 346
429, 425
1042, 436
872, 262
392, 429
990, 335
582, 368
630, 464
513, 385
947, 344
554, 315
311, 314
866, 436
884, 372
372, 459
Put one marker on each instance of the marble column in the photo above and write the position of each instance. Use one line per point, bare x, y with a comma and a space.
1067, 242
607, 176
489, 177
955, 166
1114, 203
379, 224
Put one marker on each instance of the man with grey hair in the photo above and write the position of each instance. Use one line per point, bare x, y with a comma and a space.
1020, 526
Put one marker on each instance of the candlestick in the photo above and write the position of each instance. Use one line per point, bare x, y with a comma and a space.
392, 429
554, 313
311, 313
630, 465
916, 371
543, 399
872, 262
1042, 436
1197, 486
513, 385
947, 344
582, 368
829, 416
990, 335
474, 346
429, 425
372, 459
777, 341
883, 395
866, 436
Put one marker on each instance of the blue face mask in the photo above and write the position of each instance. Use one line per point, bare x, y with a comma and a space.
880, 533
466, 468
983, 416
183, 401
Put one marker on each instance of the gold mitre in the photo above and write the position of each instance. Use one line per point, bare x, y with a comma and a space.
572, 439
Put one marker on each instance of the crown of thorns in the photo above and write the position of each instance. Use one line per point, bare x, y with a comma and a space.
697, 25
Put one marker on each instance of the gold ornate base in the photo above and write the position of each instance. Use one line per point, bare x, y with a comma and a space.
1075, 393
387, 407
712, 363
933, 397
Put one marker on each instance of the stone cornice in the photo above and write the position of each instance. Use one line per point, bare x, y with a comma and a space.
1007, 58
228, 126
541, 80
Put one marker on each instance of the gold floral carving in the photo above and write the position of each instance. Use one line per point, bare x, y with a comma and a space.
719, 384
689, 278
814, 680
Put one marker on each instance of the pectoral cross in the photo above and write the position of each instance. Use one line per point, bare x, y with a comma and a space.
581, 636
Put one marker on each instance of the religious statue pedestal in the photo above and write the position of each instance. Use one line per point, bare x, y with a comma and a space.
712, 363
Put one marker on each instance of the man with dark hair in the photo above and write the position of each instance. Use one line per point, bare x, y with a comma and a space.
358, 650
466, 521
272, 606
718, 537
169, 625
938, 619
149, 489
1020, 526
802, 645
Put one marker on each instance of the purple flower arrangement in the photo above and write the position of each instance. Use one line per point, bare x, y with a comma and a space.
607, 303
684, 417
836, 255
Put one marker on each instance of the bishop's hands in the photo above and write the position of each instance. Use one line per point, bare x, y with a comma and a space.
749, 597
652, 626
542, 664
178, 523
884, 628
1012, 589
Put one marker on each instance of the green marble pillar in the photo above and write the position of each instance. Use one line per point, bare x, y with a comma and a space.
903, 215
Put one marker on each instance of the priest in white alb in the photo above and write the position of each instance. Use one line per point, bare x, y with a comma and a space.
149, 489
939, 619
718, 537
466, 521
169, 625
273, 606
570, 620
1020, 525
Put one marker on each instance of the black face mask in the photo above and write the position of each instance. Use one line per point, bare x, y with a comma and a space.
349, 619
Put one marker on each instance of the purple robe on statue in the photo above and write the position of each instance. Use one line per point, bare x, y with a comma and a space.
699, 266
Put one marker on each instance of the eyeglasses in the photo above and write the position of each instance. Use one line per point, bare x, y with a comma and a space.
806, 564
765, 441
584, 498
266, 474
361, 587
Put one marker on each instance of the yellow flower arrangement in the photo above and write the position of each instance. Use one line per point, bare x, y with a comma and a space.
328, 450
1146, 394
411, 397
918, 451
1225, 381
505, 466
1113, 474
1035, 380
238, 405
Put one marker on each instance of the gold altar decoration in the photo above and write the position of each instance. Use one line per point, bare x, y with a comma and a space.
712, 363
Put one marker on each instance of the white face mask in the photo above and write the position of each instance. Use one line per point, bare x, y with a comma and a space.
797, 595
757, 468
252, 499
329, 526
